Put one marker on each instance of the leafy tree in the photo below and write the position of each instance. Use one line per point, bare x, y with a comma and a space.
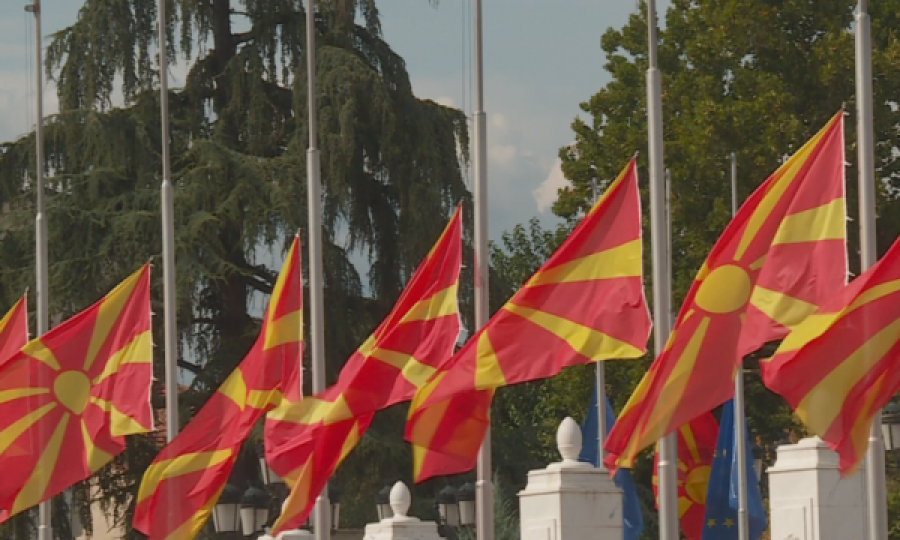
390, 169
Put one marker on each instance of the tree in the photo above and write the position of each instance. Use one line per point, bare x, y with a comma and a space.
390, 169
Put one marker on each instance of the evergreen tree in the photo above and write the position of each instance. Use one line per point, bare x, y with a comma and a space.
391, 172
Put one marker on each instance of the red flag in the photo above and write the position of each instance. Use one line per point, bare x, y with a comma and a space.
14, 330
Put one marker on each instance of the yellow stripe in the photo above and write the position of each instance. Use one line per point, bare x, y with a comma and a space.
287, 329
312, 410
781, 308
15, 430
587, 341
181, 465
758, 263
826, 222
36, 349
35, 488
612, 187
96, 457
874, 293
618, 262
194, 524
235, 389
9, 314
108, 314
819, 408
439, 304
299, 496
785, 175
811, 328
859, 431
411, 369
278, 289
262, 399
18, 393
673, 391
138, 351
688, 435
488, 373
120, 424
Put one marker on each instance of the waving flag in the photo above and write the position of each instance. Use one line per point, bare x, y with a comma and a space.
14, 330
183, 483
307, 440
841, 365
68, 398
633, 520
721, 519
696, 446
780, 257
585, 304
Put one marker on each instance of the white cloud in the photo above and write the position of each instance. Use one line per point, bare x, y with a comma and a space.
503, 155
547, 193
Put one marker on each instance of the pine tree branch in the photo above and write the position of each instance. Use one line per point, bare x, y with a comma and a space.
193, 368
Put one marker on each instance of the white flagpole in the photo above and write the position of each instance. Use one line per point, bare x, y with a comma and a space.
740, 430
600, 382
168, 239
484, 522
316, 279
868, 254
45, 527
662, 281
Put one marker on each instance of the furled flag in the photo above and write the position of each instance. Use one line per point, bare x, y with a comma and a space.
632, 518
181, 486
842, 365
585, 304
720, 519
778, 259
69, 397
307, 440
696, 446
14, 330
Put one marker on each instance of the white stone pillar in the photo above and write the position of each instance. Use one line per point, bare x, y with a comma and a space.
809, 500
570, 500
401, 526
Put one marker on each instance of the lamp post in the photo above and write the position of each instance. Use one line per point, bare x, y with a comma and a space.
334, 495
383, 503
466, 499
890, 426
757, 452
254, 511
226, 513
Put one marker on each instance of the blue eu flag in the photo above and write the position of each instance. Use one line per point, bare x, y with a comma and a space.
631, 508
720, 518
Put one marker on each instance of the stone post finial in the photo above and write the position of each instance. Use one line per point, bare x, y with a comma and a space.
568, 440
400, 500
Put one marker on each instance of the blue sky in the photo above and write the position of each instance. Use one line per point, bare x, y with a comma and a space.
541, 59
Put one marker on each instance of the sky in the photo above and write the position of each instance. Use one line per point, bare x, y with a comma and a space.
541, 60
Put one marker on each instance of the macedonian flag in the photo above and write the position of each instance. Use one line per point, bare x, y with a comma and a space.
14, 330
68, 398
778, 259
585, 304
307, 440
183, 483
842, 364
696, 450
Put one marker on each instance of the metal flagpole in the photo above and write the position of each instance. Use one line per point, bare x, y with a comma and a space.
662, 286
168, 240
740, 430
316, 280
484, 522
45, 528
600, 382
875, 470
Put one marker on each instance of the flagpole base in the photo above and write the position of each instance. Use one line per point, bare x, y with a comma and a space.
809, 500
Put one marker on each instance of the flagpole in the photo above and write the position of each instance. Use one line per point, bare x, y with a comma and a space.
740, 429
168, 239
484, 521
662, 286
45, 528
316, 279
600, 382
875, 469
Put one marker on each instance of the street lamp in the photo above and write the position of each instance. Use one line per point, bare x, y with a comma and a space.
448, 507
254, 510
383, 502
890, 426
757, 452
466, 498
226, 513
334, 494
